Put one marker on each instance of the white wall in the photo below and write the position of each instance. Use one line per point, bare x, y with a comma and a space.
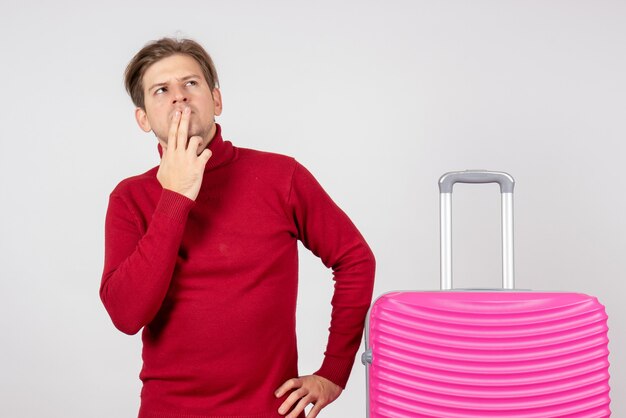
377, 99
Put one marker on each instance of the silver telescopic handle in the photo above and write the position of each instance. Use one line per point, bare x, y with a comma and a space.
446, 183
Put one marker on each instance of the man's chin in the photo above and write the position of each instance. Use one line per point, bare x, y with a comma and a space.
194, 133
202, 133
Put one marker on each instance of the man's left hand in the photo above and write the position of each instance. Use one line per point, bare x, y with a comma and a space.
313, 389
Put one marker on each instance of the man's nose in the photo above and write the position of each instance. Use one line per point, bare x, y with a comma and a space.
179, 96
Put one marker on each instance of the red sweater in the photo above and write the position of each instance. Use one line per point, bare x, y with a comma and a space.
213, 282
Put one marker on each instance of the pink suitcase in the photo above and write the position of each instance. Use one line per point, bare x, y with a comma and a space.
486, 353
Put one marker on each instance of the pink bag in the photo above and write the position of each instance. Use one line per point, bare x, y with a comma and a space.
488, 353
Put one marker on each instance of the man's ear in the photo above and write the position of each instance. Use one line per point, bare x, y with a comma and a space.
217, 101
142, 119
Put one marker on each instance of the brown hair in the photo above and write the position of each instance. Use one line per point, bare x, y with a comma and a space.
157, 50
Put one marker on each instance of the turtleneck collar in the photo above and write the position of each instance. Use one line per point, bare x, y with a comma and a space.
223, 151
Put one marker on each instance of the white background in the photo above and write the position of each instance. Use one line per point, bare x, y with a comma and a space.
377, 99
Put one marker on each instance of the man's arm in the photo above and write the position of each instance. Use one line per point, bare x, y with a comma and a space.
138, 268
328, 232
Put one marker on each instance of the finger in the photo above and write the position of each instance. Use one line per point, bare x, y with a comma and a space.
291, 400
183, 128
194, 141
205, 156
171, 136
288, 385
317, 407
299, 408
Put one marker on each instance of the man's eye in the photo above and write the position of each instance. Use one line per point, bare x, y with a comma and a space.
159, 89
192, 81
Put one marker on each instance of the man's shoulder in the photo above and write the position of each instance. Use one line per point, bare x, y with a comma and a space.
139, 182
268, 160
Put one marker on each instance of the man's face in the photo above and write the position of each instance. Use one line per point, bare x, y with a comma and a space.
172, 84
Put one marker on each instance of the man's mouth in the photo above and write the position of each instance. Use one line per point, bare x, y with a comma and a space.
181, 112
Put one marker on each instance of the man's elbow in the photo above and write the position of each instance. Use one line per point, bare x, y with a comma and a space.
121, 319
370, 261
127, 327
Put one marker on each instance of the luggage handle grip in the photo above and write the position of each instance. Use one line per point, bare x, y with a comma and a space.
448, 180
446, 183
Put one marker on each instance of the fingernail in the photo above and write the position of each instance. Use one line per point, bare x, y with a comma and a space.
177, 113
187, 110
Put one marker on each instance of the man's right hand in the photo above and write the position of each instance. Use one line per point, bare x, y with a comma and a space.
181, 168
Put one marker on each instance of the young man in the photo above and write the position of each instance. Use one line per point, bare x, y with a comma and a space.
201, 252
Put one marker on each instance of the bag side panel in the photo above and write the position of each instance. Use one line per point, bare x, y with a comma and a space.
488, 354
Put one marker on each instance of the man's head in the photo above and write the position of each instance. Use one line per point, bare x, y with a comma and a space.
168, 75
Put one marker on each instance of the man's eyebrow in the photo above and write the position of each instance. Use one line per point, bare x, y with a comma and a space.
179, 79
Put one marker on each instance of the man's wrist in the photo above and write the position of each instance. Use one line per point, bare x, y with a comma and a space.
174, 205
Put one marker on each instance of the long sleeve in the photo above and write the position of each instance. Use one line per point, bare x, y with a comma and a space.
138, 266
328, 232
